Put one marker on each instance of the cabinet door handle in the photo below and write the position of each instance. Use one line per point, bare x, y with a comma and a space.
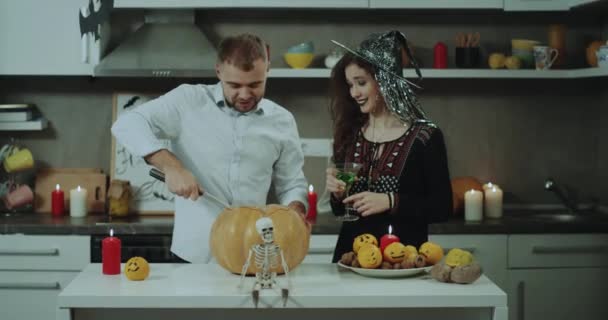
30, 285
31, 252
521, 300
570, 249
469, 249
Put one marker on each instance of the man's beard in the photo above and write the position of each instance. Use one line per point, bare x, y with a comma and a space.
233, 105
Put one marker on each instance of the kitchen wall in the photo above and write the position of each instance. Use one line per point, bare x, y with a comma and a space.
513, 132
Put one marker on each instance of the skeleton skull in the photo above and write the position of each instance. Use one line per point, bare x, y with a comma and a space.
265, 227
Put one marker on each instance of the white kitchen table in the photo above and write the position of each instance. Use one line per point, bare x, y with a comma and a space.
319, 291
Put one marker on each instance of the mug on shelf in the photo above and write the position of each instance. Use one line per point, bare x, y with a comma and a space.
20, 160
544, 57
467, 57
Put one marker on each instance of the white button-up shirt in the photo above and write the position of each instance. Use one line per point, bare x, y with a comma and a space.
234, 156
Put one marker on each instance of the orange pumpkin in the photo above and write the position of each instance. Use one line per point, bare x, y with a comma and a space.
461, 185
590, 52
233, 234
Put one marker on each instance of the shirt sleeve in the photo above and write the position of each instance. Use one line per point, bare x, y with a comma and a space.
288, 175
141, 130
436, 204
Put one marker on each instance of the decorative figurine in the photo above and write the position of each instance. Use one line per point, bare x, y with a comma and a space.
266, 256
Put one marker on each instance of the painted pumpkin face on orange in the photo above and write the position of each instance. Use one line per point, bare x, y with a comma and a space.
369, 256
394, 252
137, 268
366, 238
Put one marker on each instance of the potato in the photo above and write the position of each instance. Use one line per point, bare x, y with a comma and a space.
355, 263
347, 258
441, 272
397, 265
420, 261
466, 274
386, 265
409, 262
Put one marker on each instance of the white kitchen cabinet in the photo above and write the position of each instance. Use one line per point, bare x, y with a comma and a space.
41, 38
559, 276
34, 269
489, 250
536, 5
321, 248
558, 294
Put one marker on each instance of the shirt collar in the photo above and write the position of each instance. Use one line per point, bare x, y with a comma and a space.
218, 98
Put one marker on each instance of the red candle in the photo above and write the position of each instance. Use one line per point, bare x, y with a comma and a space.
57, 201
388, 239
312, 205
110, 254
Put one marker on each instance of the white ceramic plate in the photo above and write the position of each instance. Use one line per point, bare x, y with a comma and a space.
387, 273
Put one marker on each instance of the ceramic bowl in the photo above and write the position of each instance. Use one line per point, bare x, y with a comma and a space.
523, 44
299, 60
304, 47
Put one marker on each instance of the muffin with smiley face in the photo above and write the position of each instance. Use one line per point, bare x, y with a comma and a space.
137, 269
363, 239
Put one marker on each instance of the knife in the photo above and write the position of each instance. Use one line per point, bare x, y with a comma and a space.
160, 176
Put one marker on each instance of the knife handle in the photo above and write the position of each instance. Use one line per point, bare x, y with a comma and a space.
160, 176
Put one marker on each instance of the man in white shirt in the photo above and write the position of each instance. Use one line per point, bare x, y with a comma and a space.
226, 139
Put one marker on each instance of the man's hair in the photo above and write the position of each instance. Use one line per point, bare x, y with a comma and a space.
242, 51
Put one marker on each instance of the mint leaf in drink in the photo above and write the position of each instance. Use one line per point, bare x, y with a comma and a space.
347, 177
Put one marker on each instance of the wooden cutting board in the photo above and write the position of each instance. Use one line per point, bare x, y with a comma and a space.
94, 180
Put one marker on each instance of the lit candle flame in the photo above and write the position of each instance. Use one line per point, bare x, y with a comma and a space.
310, 188
78, 189
490, 185
493, 189
57, 187
390, 229
111, 232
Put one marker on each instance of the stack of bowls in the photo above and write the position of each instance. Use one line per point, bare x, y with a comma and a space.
524, 50
300, 56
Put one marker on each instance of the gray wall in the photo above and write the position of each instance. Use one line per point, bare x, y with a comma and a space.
512, 132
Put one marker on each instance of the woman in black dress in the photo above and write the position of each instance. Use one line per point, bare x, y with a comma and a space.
404, 180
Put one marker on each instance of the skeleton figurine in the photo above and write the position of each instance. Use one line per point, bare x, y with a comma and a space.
267, 257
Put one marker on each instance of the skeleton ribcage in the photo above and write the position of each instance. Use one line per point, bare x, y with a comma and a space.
266, 256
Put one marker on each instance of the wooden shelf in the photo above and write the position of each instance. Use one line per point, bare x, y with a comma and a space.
211, 4
33, 125
459, 73
436, 4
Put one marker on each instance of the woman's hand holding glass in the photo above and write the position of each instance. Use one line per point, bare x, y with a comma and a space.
368, 203
333, 184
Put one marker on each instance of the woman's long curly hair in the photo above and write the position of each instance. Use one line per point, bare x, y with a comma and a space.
345, 112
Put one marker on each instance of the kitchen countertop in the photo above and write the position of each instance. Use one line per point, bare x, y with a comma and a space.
208, 286
512, 222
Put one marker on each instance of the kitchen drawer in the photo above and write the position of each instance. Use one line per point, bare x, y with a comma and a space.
321, 248
32, 294
558, 250
25, 252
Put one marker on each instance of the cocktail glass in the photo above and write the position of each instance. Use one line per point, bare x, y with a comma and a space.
347, 172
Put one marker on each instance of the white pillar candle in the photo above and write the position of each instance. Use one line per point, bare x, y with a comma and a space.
473, 205
78, 202
493, 202
489, 185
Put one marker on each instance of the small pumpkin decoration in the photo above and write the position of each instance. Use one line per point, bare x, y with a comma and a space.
137, 269
591, 50
461, 185
369, 256
394, 252
362, 239
233, 234
458, 257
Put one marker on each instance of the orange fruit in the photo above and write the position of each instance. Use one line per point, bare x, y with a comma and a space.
432, 252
